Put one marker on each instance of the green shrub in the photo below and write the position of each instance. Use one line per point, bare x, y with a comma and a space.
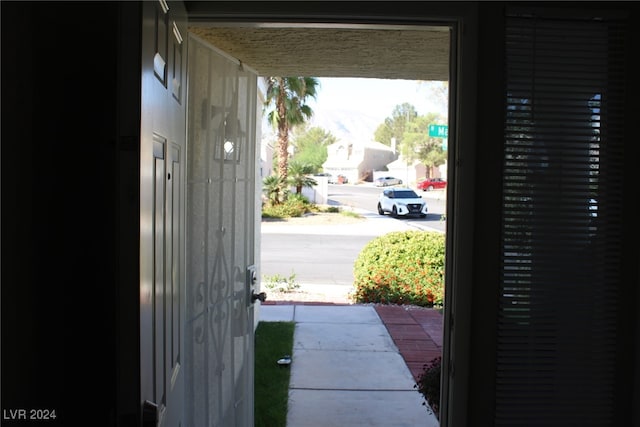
298, 197
403, 267
292, 207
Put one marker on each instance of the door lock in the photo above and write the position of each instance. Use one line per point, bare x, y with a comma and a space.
262, 296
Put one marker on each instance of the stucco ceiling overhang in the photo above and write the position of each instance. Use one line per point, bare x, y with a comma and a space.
326, 49
335, 52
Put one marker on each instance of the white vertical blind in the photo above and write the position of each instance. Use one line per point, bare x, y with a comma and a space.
562, 174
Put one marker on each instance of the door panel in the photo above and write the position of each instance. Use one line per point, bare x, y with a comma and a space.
174, 300
162, 221
159, 282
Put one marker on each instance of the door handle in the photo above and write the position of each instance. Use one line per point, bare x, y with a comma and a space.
262, 296
251, 281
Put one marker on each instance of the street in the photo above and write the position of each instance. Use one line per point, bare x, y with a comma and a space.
365, 197
324, 255
316, 259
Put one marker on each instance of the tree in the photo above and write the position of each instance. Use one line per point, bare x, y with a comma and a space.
395, 125
273, 187
286, 105
438, 93
418, 145
299, 176
311, 146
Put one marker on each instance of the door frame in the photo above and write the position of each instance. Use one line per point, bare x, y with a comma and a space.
462, 19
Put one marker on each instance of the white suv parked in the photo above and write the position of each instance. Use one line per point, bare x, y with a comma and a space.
401, 202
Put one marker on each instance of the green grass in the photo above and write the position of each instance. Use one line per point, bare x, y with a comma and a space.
351, 214
339, 210
329, 209
273, 340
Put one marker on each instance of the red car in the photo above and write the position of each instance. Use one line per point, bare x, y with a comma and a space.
429, 184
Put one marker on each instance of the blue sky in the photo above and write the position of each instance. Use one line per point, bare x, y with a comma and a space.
375, 97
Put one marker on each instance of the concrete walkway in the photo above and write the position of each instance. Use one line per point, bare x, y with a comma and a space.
346, 369
355, 364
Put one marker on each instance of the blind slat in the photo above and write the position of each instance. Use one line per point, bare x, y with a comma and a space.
561, 171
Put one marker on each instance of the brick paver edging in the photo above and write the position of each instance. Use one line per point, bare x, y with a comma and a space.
416, 331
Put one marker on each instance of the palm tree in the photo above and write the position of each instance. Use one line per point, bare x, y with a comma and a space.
287, 97
273, 187
299, 176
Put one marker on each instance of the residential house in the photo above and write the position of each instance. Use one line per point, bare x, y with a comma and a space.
357, 160
411, 173
408, 172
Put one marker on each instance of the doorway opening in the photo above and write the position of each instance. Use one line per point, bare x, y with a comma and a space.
346, 146
220, 35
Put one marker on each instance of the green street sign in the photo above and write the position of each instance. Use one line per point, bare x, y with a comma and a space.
439, 131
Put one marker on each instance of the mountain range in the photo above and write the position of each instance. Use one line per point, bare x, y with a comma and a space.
344, 124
